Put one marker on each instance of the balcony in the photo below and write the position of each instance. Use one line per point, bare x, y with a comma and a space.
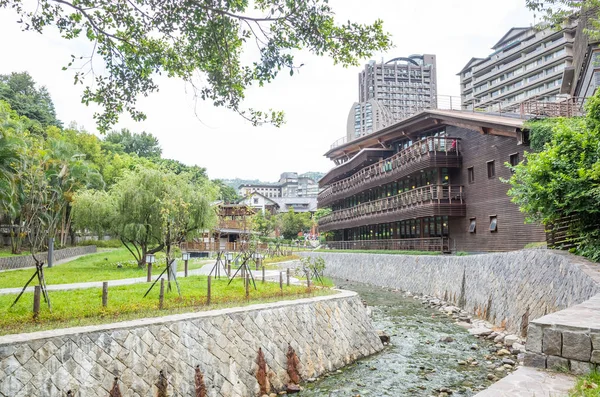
432, 200
439, 244
431, 152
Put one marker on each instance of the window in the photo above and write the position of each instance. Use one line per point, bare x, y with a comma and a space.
491, 169
471, 172
256, 200
493, 223
513, 159
472, 225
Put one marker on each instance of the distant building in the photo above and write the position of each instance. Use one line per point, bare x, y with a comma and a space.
367, 117
261, 203
526, 63
298, 204
403, 85
289, 185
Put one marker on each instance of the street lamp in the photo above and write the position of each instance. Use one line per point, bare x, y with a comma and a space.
186, 257
150, 259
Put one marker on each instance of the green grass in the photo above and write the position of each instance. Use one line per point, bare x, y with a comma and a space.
271, 263
4, 252
84, 306
391, 252
587, 386
102, 266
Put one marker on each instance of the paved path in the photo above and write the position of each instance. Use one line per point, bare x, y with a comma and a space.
270, 275
531, 382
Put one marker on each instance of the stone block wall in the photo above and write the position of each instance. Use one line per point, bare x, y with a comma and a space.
17, 262
566, 340
508, 289
326, 333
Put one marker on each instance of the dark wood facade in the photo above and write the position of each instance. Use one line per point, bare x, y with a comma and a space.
464, 199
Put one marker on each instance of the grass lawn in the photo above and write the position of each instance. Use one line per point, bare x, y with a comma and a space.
84, 307
587, 386
4, 252
102, 266
391, 252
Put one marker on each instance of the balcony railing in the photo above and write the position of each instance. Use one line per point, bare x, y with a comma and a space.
440, 244
412, 159
213, 246
449, 196
235, 224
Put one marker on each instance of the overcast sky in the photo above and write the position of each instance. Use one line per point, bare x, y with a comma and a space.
316, 101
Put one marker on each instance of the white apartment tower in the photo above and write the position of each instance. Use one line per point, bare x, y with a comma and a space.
527, 63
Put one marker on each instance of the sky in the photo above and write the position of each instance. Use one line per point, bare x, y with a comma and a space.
316, 100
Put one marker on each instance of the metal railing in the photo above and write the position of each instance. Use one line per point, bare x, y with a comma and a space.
425, 195
396, 164
441, 244
219, 246
339, 142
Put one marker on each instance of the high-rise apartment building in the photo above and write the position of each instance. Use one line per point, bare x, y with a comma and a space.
526, 63
367, 117
405, 86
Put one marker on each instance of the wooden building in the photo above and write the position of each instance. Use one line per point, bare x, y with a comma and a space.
430, 182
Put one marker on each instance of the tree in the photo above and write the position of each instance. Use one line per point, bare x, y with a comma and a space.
563, 180
264, 223
148, 210
143, 144
226, 193
20, 92
196, 41
293, 223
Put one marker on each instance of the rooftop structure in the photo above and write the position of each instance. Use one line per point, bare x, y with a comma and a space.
525, 63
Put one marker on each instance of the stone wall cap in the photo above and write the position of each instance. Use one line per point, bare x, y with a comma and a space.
27, 337
585, 315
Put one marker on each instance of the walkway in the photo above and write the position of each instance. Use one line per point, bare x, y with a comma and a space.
531, 382
270, 275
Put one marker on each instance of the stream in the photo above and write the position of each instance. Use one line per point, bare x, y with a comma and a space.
417, 362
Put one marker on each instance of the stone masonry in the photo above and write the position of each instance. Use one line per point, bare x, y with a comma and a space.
16, 262
566, 340
326, 332
509, 289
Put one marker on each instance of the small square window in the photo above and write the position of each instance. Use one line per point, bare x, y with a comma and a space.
493, 223
514, 159
491, 169
255, 200
471, 172
472, 225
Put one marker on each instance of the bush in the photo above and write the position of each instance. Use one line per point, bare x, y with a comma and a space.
114, 243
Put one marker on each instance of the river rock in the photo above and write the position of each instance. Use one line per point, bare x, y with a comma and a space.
492, 377
508, 361
503, 352
292, 388
518, 347
499, 338
480, 331
447, 339
509, 340
385, 338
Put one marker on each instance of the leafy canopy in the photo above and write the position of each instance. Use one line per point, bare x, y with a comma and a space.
201, 42
143, 144
563, 179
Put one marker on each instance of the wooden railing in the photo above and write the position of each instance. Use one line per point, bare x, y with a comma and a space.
218, 246
425, 195
235, 224
395, 166
441, 244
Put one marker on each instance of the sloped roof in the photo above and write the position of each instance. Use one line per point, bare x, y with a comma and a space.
509, 35
471, 61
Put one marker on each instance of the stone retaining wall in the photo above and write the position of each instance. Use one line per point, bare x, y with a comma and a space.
566, 340
326, 332
17, 262
507, 288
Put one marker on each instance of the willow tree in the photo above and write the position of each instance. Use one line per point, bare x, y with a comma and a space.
149, 210
207, 43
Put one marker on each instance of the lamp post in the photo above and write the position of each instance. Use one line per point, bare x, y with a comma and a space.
150, 259
186, 257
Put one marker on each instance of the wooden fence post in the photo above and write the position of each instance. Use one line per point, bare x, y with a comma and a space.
104, 294
263, 274
208, 292
247, 284
149, 276
308, 279
281, 282
287, 273
161, 296
37, 291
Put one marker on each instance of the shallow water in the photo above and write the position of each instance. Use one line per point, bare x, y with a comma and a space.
416, 363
